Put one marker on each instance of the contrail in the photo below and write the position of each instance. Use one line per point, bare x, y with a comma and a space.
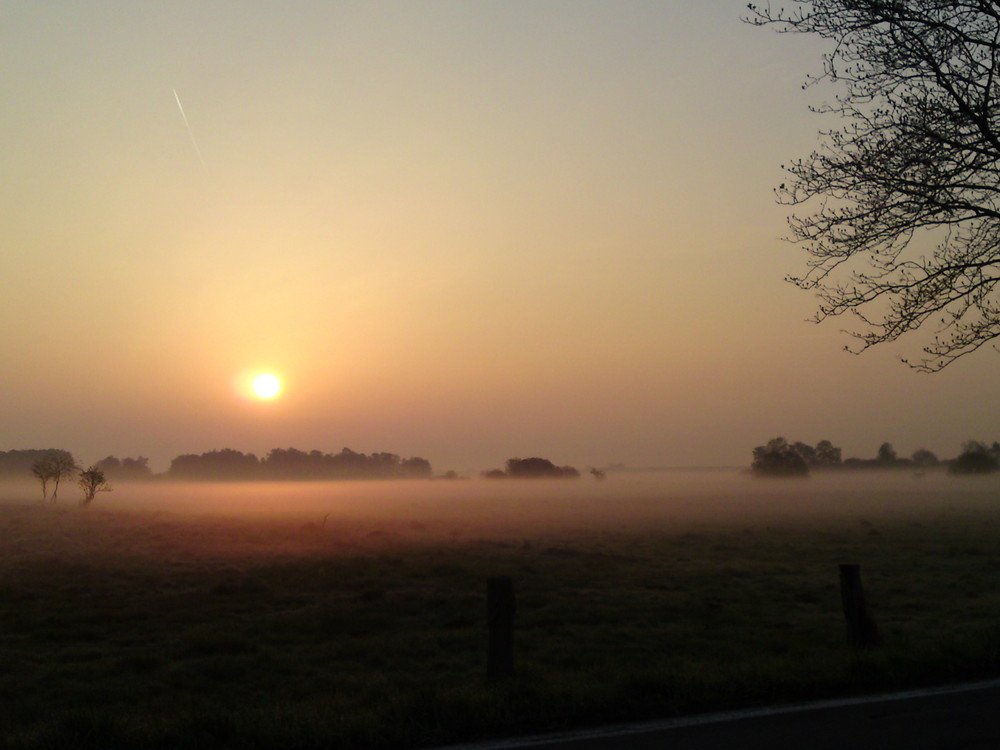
188, 126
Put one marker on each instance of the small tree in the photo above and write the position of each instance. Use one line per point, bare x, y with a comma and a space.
887, 454
42, 470
91, 482
53, 467
62, 466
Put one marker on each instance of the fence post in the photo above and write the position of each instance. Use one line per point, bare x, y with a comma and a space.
500, 616
861, 630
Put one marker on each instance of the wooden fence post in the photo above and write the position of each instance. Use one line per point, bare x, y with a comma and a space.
861, 630
500, 616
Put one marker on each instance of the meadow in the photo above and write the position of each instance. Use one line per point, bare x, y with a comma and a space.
232, 616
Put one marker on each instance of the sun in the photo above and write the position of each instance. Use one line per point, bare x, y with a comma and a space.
266, 386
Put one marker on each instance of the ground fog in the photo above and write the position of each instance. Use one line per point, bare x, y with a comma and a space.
353, 614
662, 502
624, 499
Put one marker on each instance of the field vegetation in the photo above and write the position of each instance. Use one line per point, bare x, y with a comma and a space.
338, 617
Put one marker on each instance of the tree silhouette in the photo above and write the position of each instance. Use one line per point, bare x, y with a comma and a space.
827, 454
62, 466
415, 468
110, 465
778, 459
42, 470
538, 468
92, 481
52, 467
125, 468
975, 458
905, 225
227, 464
136, 468
807, 452
887, 454
291, 463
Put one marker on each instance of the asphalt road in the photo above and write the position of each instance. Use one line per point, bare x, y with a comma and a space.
965, 717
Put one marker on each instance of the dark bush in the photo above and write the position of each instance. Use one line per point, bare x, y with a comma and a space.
778, 459
975, 459
538, 468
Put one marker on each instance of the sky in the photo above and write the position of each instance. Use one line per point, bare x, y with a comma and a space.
457, 229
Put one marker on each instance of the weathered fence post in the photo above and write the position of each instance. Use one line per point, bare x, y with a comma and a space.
500, 616
861, 630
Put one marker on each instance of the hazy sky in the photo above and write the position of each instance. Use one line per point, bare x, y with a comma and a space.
461, 230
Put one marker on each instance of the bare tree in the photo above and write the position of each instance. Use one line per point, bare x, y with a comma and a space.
61, 466
904, 231
42, 470
92, 481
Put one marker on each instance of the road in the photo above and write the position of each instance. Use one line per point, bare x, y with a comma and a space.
963, 717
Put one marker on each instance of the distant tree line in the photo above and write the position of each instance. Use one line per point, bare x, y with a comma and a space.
49, 466
782, 458
532, 468
125, 469
290, 463
17, 464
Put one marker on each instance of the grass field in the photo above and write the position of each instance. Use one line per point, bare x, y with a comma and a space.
174, 616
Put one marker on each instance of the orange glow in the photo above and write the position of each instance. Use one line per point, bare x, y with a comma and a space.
430, 253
